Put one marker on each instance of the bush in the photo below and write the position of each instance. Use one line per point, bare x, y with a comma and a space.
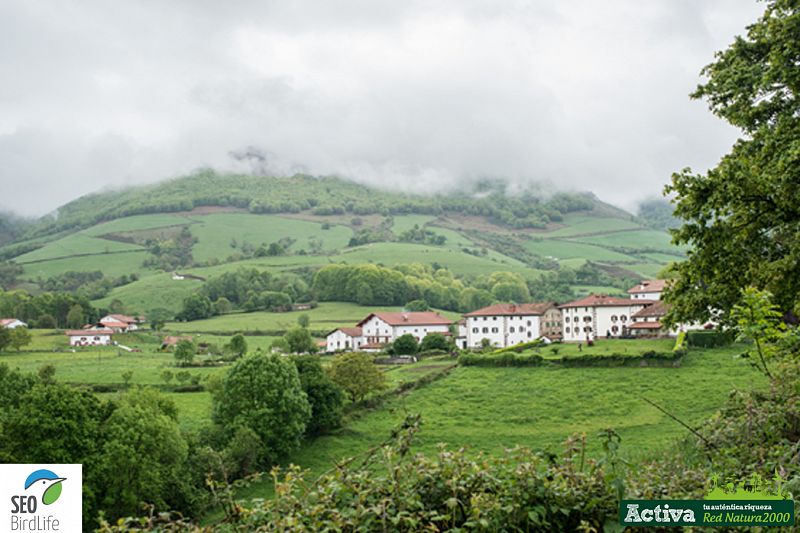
325, 397
405, 345
357, 375
434, 341
263, 392
500, 359
709, 339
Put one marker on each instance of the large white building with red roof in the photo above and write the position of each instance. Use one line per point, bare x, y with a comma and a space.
599, 316
89, 337
508, 324
384, 327
379, 329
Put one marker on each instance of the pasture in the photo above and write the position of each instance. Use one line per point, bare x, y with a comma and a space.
489, 409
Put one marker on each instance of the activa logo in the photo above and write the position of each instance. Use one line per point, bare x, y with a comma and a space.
41, 485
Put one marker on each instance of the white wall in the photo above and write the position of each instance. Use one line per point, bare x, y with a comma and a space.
583, 323
339, 340
502, 331
376, 330
90, 340
420, 332
646, 296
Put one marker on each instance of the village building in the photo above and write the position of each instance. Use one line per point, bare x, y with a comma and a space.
599, 316
647, 321
508, 324
384, 327
650, 289
120, 323
89, 337
344, 339
11, 323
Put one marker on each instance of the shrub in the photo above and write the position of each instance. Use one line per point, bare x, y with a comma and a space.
709, 339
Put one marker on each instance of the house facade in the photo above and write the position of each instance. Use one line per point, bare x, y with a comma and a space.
89, 337
382, 328
599, 316
11, 323
649, 289
647, 321
506, 325
344, 339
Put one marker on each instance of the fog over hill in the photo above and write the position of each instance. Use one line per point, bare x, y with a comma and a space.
421, 96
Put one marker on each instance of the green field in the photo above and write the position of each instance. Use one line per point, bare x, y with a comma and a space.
406, 222
117, 264
639, 239
327, 316
75, 244
489, 409
560, 249
627, 347
136, 223
153, 291
215, 233
588, 225
395, 253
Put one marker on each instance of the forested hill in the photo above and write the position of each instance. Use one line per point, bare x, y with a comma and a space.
319, 195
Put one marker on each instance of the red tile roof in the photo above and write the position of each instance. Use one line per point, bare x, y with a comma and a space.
115, 324
512, 309
602, 300
645, 325
350, 332
656, 309
418, 318
88, 332
649, 285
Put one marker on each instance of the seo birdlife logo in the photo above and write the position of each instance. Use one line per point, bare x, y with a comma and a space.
42, 483
42, 497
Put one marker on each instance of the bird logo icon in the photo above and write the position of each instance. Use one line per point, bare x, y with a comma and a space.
46, 484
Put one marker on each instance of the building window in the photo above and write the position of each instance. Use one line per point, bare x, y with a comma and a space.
474, 330
587, 319
486, 330
529, 323
521, 329
566, 329
530, 335
613, 318
511, 329
614, 329
495, 330
623, 318
566, 319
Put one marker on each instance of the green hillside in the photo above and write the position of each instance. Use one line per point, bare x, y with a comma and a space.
207, 224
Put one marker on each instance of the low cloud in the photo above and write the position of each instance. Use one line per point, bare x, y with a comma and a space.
409, 95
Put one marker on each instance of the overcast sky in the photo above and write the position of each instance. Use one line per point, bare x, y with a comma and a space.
413, 94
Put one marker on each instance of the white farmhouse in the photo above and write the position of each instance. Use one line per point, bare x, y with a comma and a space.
382, 328
344, 339
599, 316
650, 289
89, 337
511, 324
120, 323
11, 323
